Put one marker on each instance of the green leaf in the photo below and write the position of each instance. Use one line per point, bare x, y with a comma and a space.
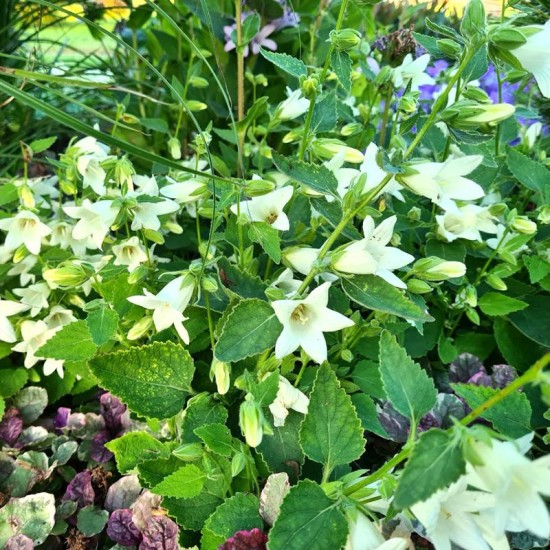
534, 321
91, 520
13, 379
308, 519
530, 173
367, 376
538, 268
237, 513
31, 402
237, 283
250, 328
325, 117
250, 28
436, 462
217, 438
316, 177
41, 145
201, 410
511, 416
265, 391
152, 472
2, 407
366, 411
289, 64
33, 516
72, 343
8, 193
496, 304
187, 482
281, 451
268, 238
156, 124
341, 65
152, 380
103, 323
135, 447
332, 213
374, 293
331, 432
408, 387
518, 350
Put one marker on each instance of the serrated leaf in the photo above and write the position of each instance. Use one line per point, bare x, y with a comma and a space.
367, 413
530, 173
289, 64
410, 390
316, 177
282, 451
436, 462
496, 304
534, 321
265, 391
268, 238
332, 213
250, 328
135, 447
217, 438
102, 323
331, 432
187, 482
237, 283
511, 416
325, 117
72, 343
308, 519
91, 520
41, 145
152, 380
200, 411
341, 65
237, 513
374, 293
13, 380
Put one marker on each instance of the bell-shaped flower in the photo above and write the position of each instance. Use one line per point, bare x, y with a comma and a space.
146, 185
442, 182
293, 106
287, 283
62, 236
301, 258
267, 208
94, 220
24, 228
145, 214
364, 535
374, 175
7, 309
24, 270
517, 483
449, 516
504, 241
168, 305
59, 317
412, 71
288, 397
186, 191
371, 255
534, 57
34, 334
93, 175
35, 296
130, 253
466, 222
305, 321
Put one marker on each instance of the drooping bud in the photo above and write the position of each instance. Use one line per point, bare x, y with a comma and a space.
344, 39
174, 147
328, 148
416, 286
494, 281
124, 170
524, 225
436, 269
250, 420
140, 328
67, 275
221, 372
258, 187
507, 38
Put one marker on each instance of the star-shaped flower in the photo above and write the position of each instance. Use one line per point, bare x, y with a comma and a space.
7, 309
168, 305
466, 223
288, 397
371, 255
24, 228
130, 253
412, 71
305, 321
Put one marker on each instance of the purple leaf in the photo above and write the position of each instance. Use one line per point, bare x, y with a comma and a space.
246, 540
19, 542
122, 494
112, 410
396, 425
503, 375
80, 489
161, 533
11, 426
464, 367
122, 529
61, 418
99, 452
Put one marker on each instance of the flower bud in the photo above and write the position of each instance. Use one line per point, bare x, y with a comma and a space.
416, 286
198, 82
470, 295
195, 106
474, 22
476, 94
449, 47
310, 87
189, 452
507, 38
487, 114
20, 254
351, 129
221, 372
347, 355
127, 118
209, 284
524, 225
258, 187
414, 214
250, 420
26, 196
140, 328
473, 315
436, 269
124, 171
293, 135
138, 274
544, 215
174, 147
238, 462
384, 76
153, 236
293, 106
344, 39
494, 281
328, 148
66, 275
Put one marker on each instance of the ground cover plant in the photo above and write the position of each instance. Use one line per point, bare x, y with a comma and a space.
275, 275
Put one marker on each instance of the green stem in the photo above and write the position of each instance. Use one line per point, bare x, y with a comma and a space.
305, 136
385, 117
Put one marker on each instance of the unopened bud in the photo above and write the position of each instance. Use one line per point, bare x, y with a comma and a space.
474, 22
524, 225
507, 38
473, 315
77, 301
209, 284
384, 76
408, 104
189, 452
293, 135
174, 147
494, 281
345, 39
487, 114
124, 171
416, 286
238, 463
346, 355
258, 187
66, 275
351, 129
328, 148
250, 420
473, 93
449, 47
543, 215
414, 214
221, 372
138, 274
470, 295
195, 106
20, 254
198, 82
140, 328
436, 269
310, 87
127, 118
153, 236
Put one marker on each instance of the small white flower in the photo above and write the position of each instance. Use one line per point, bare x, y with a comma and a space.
24, 228
371, 255
534, 57
466, 222
345, 176
532, 134
93, 175
35, 334
90, 146
94, 220
146, 214
62, 236
292, 107
288, 397
412, 71
184, 192
59, 317
517, 483
304, 322
364, 535
443, 181
267, 208
130, 253
375, 175
502, 240
23, 269
7, 309
54, 365
168, 305
449, 516
286, 282
35, 296
146, 185
301, 259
